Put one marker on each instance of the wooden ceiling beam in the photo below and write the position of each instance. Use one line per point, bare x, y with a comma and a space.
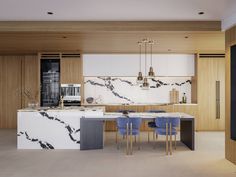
105, 26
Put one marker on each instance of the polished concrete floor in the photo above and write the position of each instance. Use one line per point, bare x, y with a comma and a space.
207, 161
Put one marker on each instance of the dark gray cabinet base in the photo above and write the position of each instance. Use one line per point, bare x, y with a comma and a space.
91, 134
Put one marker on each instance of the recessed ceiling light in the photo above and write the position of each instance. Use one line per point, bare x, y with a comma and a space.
200, 13
50, 13
186, 37
169, 50
64, 37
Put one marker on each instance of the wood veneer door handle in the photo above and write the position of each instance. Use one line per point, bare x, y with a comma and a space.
217, 99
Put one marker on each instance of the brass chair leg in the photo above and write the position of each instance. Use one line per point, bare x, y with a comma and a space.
170, 139
156, 136
175, 142
116, 135
148, 135
135, 141
155, 144
118, 143
153, 136
131, 140
139, 141
167, 149
127, 140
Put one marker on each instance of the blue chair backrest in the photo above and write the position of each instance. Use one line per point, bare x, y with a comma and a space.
161, 121
136, 122
122, 122
156, 111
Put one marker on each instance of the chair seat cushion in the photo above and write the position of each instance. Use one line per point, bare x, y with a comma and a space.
123, 131
162, 131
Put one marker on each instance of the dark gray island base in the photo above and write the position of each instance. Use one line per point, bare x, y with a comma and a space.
92, 130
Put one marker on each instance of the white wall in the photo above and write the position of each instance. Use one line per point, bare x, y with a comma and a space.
128, 64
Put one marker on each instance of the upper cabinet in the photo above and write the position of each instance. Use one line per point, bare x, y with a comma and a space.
128, 64
71, 70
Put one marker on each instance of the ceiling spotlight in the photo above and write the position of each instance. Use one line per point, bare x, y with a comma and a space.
64, 37
200, 13
169, 50
50, 13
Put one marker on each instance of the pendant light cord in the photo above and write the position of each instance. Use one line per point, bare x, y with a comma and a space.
151, 53
145, 58
140, 53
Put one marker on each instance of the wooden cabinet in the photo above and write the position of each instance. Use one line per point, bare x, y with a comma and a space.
71, 70
10, 89
17, 74
211, 70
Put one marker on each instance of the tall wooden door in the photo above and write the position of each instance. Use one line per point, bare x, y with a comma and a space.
10, 90
211, 88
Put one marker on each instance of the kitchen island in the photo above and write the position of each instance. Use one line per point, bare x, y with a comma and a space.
56, 128
81, 128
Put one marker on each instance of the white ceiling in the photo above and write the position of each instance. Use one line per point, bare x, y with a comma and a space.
116, 10
121, 10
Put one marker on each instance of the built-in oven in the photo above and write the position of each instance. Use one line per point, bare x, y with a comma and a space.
71, 94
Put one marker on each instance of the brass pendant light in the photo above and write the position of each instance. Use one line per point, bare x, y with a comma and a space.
145, 85
151, 73
140, 76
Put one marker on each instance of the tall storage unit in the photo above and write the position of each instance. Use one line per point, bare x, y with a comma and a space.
211, 92
50, 80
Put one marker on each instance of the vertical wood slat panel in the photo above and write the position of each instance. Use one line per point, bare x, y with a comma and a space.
30, 78
230, 145
17, 73
10, 90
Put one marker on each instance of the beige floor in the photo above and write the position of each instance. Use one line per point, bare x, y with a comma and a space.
207, 161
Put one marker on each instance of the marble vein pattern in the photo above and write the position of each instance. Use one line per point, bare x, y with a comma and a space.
43, 144
126, 90
48, 130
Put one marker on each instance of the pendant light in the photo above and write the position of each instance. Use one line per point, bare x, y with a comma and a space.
140, 76
151, 73
145, 85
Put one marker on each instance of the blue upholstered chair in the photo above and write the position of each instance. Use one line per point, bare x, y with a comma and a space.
152, 124
123, 111
167, 126
129, 127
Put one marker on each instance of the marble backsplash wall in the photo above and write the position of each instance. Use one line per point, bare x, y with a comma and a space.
125, 90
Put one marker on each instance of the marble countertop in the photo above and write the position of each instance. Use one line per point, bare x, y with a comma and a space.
143, 115
136, 104
71, 108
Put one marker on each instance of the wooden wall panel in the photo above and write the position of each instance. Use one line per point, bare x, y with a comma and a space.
210, 70
230, 145
30, 78
194, 82
10, 90
105, 26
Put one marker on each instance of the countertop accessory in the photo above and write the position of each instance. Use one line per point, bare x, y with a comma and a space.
90, 100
